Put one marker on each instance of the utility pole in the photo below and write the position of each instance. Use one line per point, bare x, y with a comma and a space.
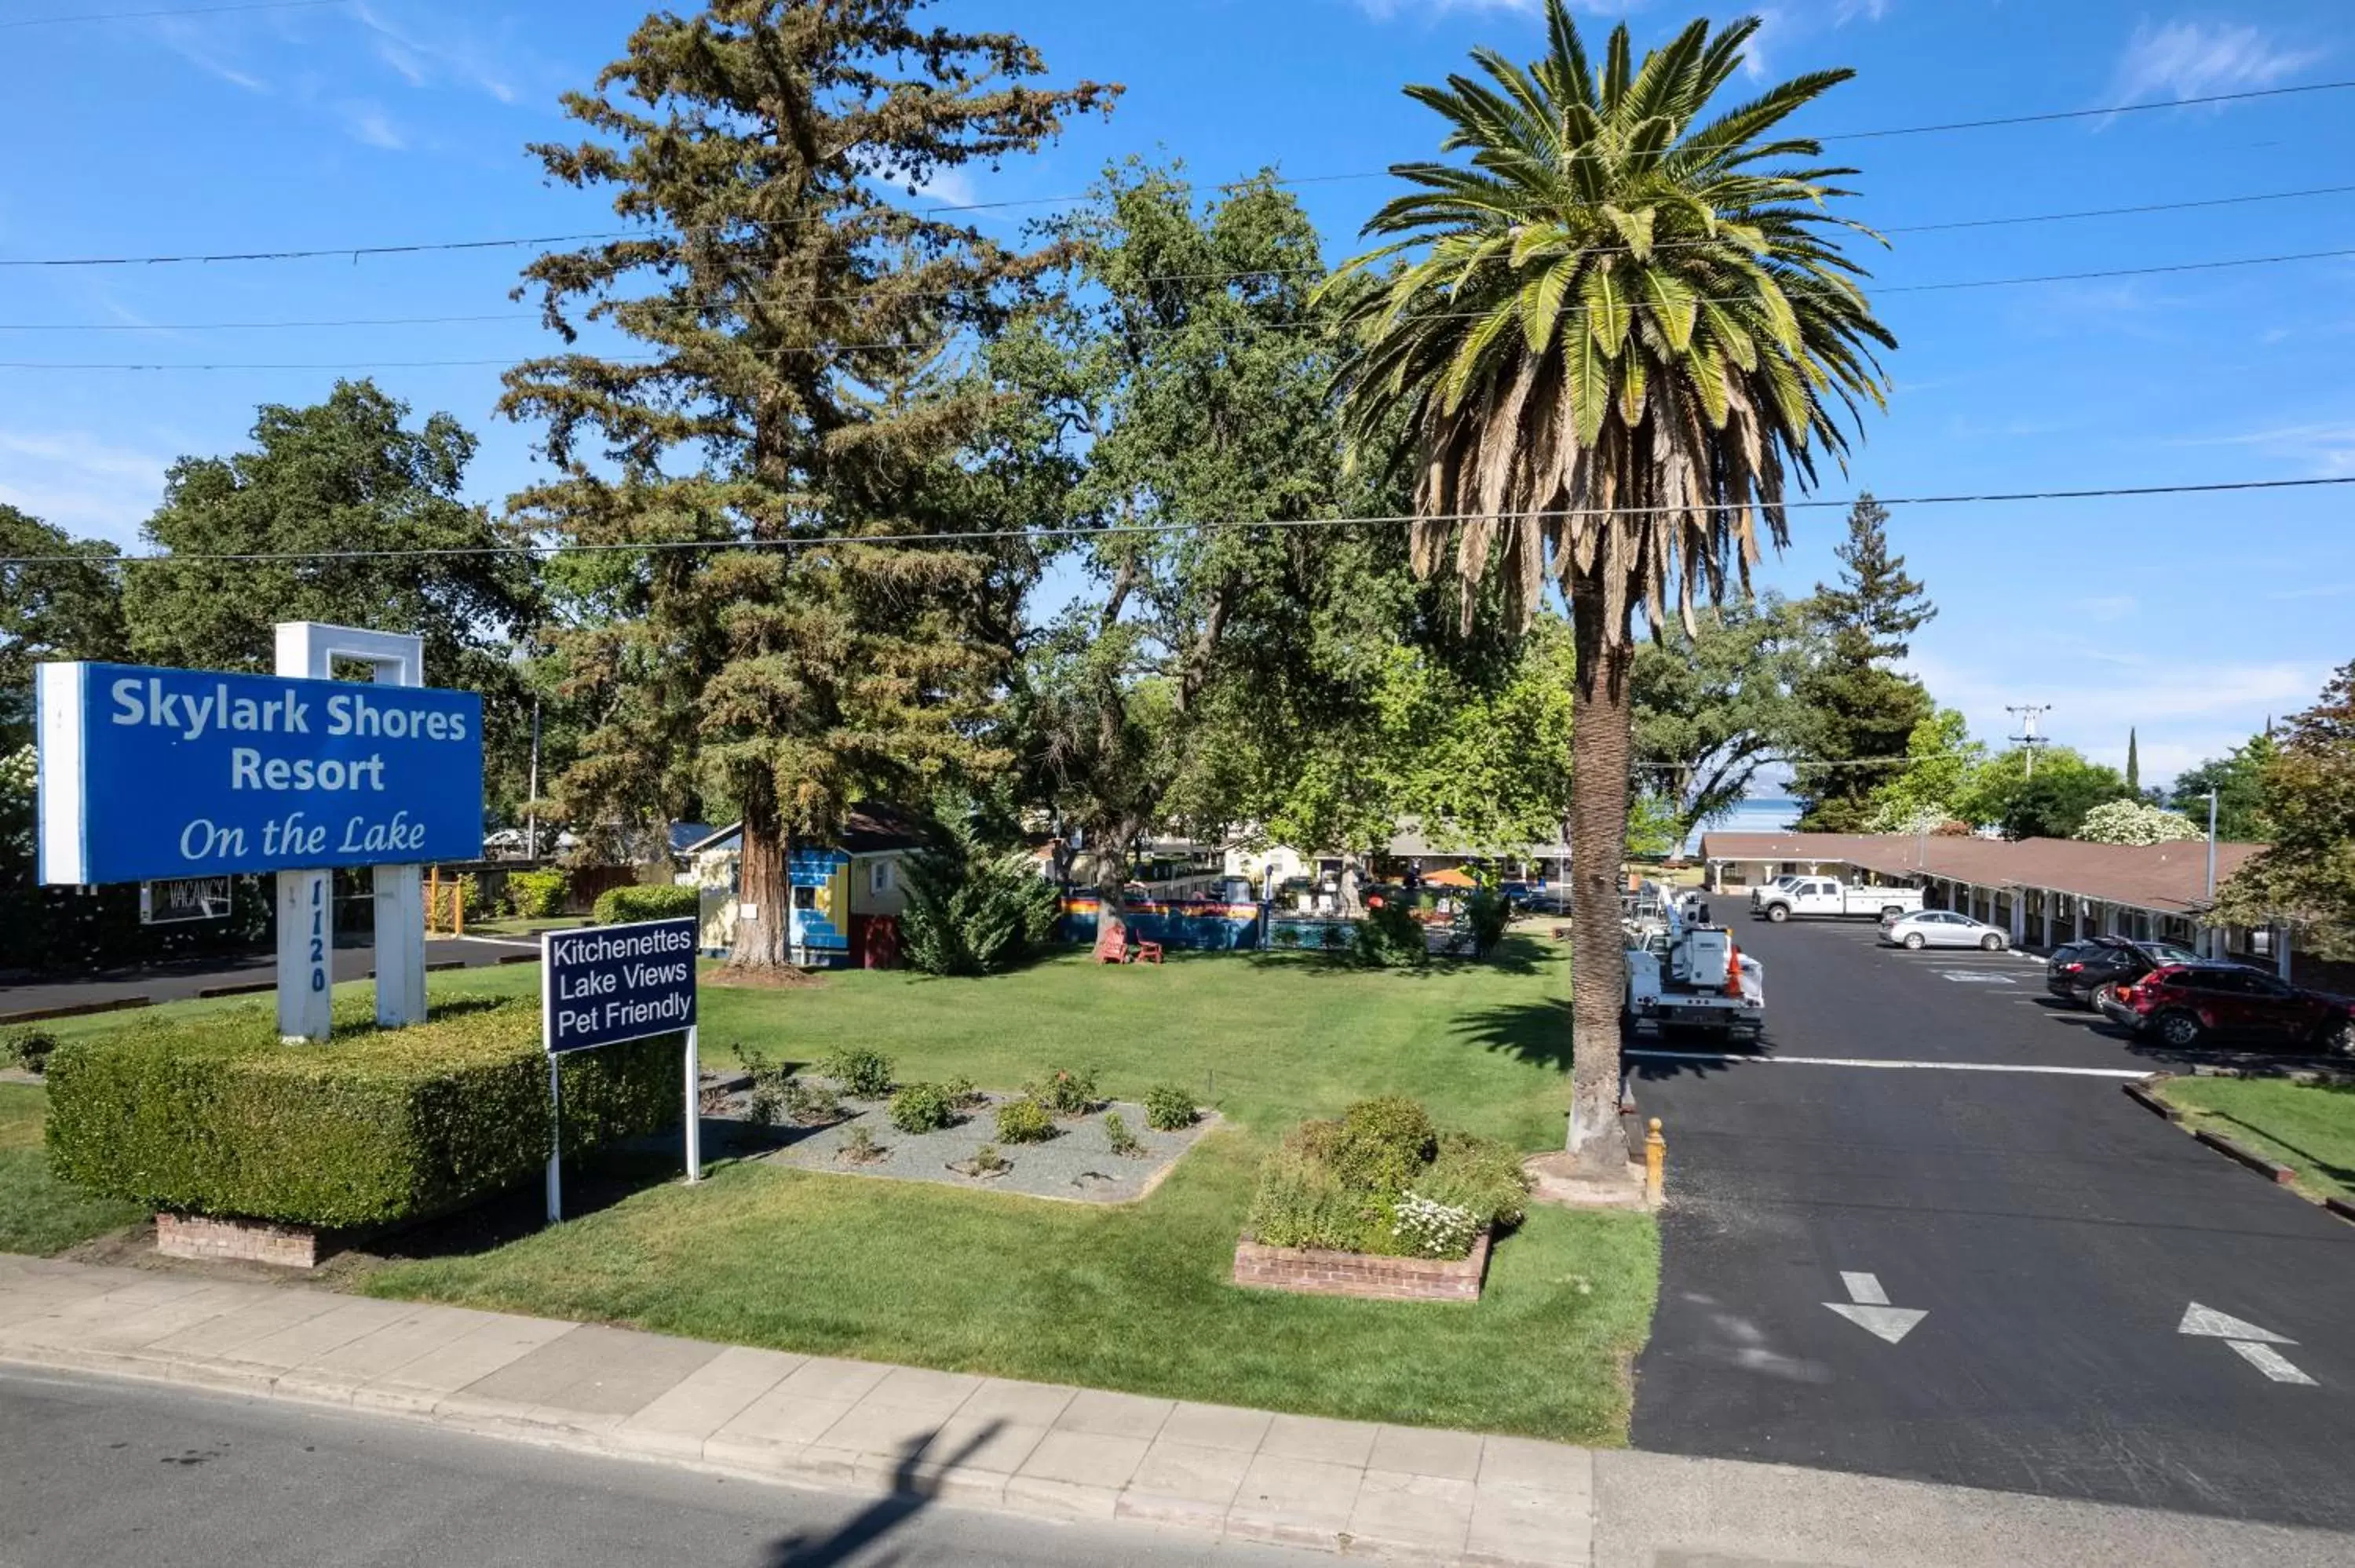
2027, 713
531, 807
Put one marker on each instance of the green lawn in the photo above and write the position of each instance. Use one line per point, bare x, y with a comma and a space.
1134, 1298
2309, 1128
39, 1214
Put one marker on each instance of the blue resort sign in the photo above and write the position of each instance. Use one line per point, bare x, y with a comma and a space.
171, 773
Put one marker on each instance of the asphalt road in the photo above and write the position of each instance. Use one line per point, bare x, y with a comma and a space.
95, 1473
2054, 1232
179, 980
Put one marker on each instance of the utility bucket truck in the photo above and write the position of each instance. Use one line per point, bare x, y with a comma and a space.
1689, 977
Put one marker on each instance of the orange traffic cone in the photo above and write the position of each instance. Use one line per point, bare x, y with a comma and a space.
1732, 969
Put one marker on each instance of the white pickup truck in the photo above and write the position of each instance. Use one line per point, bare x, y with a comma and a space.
1828, 895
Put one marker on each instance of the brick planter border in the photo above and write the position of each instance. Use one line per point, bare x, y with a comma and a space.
1309, 1271
212, 1238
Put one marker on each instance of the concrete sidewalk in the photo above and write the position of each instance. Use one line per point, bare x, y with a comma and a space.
1408, 1494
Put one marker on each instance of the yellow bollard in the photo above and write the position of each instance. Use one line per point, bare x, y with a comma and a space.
1656, 1156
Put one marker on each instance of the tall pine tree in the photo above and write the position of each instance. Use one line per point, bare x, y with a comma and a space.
1860, 712
803, 384
2134, 763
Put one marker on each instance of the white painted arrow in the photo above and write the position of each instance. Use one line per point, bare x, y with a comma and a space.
2198, 1320
2252, 1344
1868, 1307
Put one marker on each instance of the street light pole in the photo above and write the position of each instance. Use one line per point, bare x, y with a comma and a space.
2211, 867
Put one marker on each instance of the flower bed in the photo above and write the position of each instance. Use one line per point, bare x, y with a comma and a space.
1379, 1203
1311, 1271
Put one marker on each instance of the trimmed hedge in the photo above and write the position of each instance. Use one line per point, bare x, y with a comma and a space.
217, 1117
658, 901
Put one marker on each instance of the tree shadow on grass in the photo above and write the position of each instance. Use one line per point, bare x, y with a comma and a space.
915, 1483
1538, 1033
2344, 1175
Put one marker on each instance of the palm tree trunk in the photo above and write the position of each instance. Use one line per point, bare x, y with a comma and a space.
1602, 711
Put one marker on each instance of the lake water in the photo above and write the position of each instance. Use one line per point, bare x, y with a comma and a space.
1760, 814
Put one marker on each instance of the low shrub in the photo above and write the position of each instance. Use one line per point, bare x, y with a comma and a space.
1024, 1121
764, 1106
810, 1102
537, 894
1119, 1139
1390, 937
864, 1074
1384, 1143
858, 1147
1287, 937
1380, 1180
1336, 938
218, 1117
1068, 1091
1301, 1201
1486, 914
656, 901
921, 1107
1169, 1108
987, 1160
29, 1047
1478, 1174
961, 1092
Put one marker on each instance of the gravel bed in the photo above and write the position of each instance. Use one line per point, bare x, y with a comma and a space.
1077, 1163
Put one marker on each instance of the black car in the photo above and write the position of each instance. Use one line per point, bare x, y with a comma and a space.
2077, 972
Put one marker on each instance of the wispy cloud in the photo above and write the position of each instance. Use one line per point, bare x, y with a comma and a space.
203, 49
2323, 449
2319, 590
81, 482
2185, 58
2108, 608
448, 54
367, 123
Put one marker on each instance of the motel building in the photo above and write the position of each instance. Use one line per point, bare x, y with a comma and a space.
2045, 892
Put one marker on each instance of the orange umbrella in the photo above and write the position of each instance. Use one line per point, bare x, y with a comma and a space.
1448, 878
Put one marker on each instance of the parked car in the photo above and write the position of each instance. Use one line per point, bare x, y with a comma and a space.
1943, 928
1829, 896
2182, 1004
1551, 901
2077, 972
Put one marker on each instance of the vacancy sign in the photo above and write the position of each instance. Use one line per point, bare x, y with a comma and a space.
155, 774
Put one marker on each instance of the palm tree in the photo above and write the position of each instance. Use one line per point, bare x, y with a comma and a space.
1620, 332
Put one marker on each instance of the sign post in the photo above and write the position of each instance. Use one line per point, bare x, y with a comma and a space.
606, 985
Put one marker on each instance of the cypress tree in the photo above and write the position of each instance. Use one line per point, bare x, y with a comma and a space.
794, 391
2134, 765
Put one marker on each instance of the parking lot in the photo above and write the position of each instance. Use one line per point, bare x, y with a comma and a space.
1921, 1232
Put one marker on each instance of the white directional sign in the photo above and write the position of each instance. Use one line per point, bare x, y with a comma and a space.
1868, 1307
2255, 1345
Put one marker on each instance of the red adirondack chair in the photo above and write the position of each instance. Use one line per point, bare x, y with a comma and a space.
1115, 946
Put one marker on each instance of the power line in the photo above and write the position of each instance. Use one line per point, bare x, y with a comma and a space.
175, 11
985, 535
1275, 329
1149, 278
355, 252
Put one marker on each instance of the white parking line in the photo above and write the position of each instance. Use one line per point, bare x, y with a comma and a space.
1723, 1059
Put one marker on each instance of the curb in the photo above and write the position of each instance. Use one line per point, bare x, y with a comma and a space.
248, 989
2341, 1207
2280, 1175
2143, 1095
78, 1010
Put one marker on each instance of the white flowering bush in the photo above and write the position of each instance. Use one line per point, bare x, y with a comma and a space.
1429, 1228
2136, 823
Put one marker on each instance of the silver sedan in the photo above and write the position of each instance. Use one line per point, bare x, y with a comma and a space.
1944, 928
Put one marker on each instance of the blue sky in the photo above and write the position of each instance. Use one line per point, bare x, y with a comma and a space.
2192, 618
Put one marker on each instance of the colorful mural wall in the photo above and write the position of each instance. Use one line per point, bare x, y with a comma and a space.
820, 929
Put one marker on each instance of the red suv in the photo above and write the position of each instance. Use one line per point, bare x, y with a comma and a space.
2183, 1003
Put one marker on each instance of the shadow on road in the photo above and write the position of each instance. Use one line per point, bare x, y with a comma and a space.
914, 1485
